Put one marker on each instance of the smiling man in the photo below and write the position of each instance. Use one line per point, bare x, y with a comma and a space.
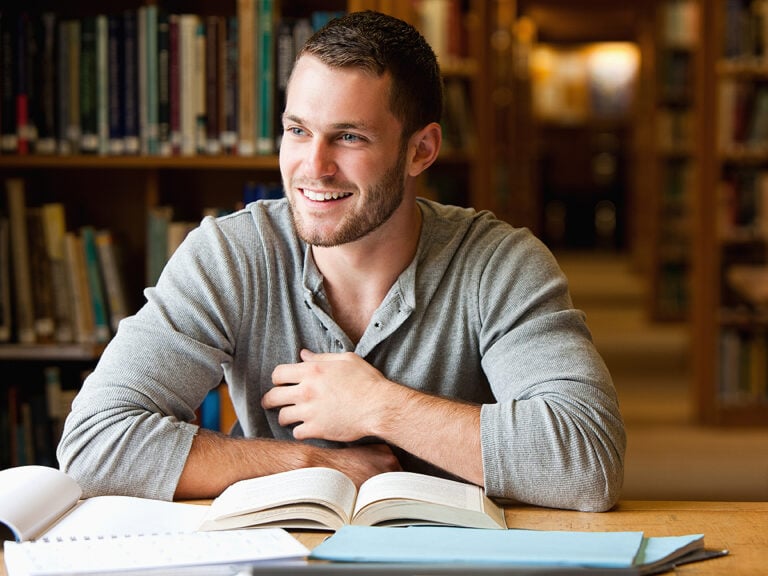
357, 326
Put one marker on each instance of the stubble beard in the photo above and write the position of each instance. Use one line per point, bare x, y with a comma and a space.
384, 198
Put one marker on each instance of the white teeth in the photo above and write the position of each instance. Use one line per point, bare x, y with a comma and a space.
321, 197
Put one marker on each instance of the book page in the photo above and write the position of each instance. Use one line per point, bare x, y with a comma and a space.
32, 498
201, 553
108, 516
319, 485
412, 486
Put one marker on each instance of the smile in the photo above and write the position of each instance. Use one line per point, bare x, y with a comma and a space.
324, 196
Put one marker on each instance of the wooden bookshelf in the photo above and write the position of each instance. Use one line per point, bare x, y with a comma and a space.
729, 320
117, 191
675, 50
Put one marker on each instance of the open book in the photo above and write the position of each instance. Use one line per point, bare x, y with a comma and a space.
324, 498
50, 530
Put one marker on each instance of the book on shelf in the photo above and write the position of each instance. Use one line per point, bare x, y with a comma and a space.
50, 530
187, 32
214, 66
46, 126
158, 220
93, 274
130, 83
229, 78
102, 84
680, 23
89, 120
326, 498
82, 310
112, 273
8, 138
25, 425
199, 105
40, 275
247, 15
266, 77
6, 309
146, 80
23, 303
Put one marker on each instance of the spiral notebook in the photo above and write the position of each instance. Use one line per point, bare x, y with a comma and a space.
208, 552
51, 531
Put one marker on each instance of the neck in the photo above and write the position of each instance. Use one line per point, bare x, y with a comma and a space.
357, 276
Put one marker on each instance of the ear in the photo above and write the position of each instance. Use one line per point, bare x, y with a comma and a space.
423, 148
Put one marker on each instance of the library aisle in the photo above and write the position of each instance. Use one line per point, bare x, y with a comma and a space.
669, 455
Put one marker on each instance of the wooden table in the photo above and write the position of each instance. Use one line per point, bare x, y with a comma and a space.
740, 527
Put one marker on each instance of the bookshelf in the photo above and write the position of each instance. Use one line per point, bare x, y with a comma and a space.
676, 52
730, 257
105, 187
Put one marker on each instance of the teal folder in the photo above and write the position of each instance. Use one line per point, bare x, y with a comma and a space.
431, 544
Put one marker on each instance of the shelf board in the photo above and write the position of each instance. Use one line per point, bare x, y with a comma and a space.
200, 162
51, 352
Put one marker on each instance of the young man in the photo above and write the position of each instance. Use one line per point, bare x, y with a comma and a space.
357, 326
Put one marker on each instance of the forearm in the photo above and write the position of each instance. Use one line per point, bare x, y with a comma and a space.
441, 431
215, 461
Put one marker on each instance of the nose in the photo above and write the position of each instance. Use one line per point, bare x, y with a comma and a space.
319, 162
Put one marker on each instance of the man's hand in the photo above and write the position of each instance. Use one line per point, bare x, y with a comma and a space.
330, 396
361, 462
342, 397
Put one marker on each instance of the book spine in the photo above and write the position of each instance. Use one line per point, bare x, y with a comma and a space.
78, 281
54, 229
141, 66
6, 323
173, 84
74, 131
187, 91
266, 78
230, 72
40, 274
247, 29
102, 84
89, 130
163, 84
113, 278
152, 146
212, 70
200, 110
25, 314
8, 139
159, 218
22, 86
63, 79
116, 87
93, 272
130, 69
47, 133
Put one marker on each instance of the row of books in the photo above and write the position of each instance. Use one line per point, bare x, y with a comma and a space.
57, 285
743, 115
743, 204
743, 366
680, 22
745, 30
145, 81
165, 232
32, 417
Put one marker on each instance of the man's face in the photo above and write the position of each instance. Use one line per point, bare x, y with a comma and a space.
341, 160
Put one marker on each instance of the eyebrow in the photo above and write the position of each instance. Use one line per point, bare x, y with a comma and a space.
336, 126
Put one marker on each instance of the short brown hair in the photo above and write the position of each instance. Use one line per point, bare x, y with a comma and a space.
379, 43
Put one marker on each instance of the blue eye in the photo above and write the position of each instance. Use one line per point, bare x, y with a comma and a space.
295, 130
